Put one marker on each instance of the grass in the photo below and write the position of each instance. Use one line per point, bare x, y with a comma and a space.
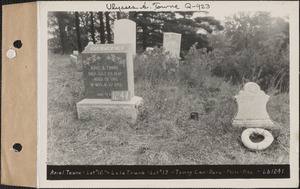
163, 134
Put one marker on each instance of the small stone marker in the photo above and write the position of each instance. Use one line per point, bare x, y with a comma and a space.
75, 53
125, 33
171, 43
252, 110
73, 59
90, 43
149, 49
108, 81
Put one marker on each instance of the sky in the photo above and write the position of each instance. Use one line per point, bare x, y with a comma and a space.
221, 15
219, 10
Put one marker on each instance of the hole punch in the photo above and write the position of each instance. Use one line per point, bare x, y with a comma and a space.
18, 44
11, 53
17, 147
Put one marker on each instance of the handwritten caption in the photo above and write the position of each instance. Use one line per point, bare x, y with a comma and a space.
159, 6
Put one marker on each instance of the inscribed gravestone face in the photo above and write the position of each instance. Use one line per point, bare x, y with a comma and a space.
125, 33
172, 42
252, 110
107, 68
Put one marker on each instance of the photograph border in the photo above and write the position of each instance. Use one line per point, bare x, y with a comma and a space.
161, 181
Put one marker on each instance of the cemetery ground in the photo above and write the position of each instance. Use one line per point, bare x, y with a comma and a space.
163, 133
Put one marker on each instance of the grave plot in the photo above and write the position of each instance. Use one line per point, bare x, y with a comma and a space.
253, 117
164, 132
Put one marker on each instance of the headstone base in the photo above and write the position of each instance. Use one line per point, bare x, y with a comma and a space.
107, 109
274, 128
252, 123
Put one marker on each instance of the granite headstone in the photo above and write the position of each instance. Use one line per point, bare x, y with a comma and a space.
107, 68
73, 59
108, 83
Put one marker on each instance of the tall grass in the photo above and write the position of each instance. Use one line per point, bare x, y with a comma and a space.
164, 134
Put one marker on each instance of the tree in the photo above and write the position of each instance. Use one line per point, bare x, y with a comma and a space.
150, 28
92, 28
107, 19
143, 21
62, 27
78, 32
61, 16
193, 30
101, 28
151, 25
254, 48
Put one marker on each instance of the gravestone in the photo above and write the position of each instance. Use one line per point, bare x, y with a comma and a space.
75, 53
107, 70
90, 43
125, 33
73, 59
171, 43
149, 49
252, 108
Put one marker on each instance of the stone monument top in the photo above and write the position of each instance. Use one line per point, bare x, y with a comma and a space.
125, 33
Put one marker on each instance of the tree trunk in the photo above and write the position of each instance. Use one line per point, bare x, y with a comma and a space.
108, 27
145, 37
101, 29
86, 19
93, 28
131, 16
145, 33
62, 32
78, 32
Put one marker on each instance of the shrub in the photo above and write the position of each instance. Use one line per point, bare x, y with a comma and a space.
155, 66
253, 48
196, 68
